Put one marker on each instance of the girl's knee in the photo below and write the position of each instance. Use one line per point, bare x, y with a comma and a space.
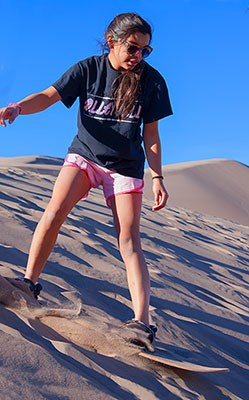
53, 216
129, 245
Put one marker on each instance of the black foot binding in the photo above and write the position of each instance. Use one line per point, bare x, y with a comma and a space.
35, 288
148, 331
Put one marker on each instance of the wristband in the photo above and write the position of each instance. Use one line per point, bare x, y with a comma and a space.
157, 177
16, 105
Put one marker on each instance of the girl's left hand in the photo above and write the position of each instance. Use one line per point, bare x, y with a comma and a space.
160, 195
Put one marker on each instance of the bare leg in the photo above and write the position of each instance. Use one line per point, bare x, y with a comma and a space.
126, 211
70, 186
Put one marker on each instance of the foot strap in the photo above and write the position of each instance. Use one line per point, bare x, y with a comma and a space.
150, 329
35, 288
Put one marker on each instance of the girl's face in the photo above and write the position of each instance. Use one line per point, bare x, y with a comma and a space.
119, 55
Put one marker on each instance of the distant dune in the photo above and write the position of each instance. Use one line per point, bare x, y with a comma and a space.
215, 187
70, 344
39, 164
23, 160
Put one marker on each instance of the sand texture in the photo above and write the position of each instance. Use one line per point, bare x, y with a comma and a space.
70, 344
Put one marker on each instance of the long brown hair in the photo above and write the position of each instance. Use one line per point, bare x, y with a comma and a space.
127, 86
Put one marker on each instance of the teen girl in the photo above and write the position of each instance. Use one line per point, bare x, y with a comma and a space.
118, 92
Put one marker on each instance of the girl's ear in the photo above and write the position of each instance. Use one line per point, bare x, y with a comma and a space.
110, 39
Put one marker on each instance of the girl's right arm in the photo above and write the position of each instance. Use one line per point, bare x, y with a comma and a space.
29, 105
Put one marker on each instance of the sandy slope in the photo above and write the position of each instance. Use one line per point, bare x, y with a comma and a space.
199, 275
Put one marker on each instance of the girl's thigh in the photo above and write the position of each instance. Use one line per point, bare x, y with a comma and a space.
71, 185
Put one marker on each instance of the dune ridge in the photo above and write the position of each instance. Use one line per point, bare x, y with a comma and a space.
217, 187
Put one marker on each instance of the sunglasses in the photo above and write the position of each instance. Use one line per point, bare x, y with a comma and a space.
132, 49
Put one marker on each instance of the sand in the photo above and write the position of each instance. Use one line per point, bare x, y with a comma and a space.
69, 345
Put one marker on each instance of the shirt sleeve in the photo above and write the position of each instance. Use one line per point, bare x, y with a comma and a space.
158, 104
70, 85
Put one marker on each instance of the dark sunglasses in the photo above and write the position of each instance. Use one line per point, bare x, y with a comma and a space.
132, 49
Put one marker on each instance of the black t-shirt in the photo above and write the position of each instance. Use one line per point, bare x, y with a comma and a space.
102, 137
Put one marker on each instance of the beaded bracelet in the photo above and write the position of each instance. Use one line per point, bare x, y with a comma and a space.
16, 105
157, 177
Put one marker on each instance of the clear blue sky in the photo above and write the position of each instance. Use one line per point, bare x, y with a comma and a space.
200, 47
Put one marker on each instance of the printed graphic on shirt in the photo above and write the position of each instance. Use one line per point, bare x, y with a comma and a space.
103, 108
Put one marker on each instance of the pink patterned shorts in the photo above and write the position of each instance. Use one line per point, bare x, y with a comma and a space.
113, 183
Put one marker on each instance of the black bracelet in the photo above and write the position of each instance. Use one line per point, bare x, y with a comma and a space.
157, 177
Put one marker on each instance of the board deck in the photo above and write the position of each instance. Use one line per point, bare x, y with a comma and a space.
168, 360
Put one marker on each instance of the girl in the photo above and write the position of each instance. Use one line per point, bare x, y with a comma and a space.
118, 92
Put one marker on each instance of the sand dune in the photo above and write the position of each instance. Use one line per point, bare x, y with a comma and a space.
215, 187
69, 345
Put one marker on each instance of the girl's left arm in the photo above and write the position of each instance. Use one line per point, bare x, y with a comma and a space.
152, 147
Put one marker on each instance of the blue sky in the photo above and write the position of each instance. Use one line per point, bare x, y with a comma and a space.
200, 47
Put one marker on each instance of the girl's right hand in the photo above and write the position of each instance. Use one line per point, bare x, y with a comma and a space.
8, 113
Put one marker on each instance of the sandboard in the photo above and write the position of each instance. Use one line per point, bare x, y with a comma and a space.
170, 360
14, 294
